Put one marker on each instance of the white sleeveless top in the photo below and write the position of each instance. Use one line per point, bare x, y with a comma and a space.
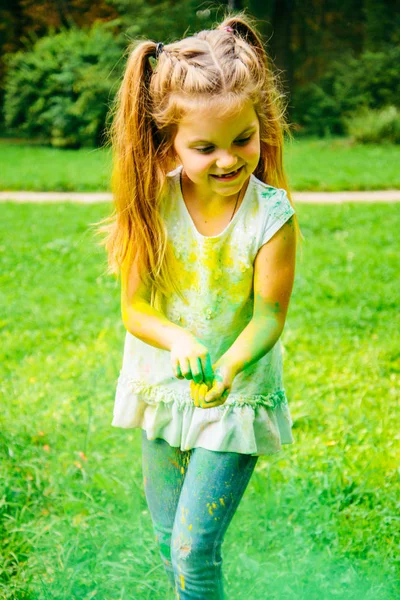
217, 280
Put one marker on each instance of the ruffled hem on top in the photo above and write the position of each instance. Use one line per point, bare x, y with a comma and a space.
257, 425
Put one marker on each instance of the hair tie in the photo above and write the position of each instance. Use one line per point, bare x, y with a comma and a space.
227, 28
159, 49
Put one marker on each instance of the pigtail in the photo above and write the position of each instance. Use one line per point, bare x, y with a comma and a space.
134, 157
136, 238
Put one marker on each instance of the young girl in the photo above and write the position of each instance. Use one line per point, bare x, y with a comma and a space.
204, 236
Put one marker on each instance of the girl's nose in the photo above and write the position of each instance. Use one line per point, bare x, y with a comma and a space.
226, 162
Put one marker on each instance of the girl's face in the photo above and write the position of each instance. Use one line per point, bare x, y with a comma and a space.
209, 145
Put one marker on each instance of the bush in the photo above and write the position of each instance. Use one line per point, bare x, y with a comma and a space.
62, 88
372, 81
375, 126
316, 112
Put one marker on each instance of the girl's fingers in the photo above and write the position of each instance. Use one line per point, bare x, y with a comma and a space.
196, 370
202, 392
187, 373
192, 388
208, 370
176, 369
216, 392
199, 394
209, 396
196, 394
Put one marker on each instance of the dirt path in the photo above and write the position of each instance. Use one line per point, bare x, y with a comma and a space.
306, 197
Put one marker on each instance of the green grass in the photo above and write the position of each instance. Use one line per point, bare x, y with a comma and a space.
320, 520
311, 164
338, 164
31, 167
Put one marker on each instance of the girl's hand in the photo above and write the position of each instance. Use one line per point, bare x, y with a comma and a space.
190, 359
205, 397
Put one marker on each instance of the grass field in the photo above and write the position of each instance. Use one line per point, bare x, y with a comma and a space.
311, 164
319, 521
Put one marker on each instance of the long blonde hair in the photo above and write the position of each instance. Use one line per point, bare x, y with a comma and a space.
213, 67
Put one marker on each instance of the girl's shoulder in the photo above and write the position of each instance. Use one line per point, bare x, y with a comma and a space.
269, 201
266, 191
272, 208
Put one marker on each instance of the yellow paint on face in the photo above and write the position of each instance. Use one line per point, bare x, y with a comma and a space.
222, 501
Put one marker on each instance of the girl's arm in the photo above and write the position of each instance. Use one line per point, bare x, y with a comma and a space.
140, 318
274, 270
190, 359
149, 325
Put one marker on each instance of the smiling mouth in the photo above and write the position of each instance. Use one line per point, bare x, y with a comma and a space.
227, 175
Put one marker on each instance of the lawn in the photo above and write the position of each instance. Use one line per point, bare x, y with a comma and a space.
311, 164
319, 521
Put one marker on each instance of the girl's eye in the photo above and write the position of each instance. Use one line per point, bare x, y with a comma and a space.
244, 141
204, 150
210, 148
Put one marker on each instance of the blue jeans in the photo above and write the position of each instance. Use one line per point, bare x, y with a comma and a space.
192, 497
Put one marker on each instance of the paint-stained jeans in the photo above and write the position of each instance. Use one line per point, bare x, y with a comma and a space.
192, 497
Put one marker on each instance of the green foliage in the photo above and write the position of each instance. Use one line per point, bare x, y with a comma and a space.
61, 89
165, 20
315, 111
372, 80
374, 126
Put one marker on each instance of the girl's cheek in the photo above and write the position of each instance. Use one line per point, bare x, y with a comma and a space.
207, 163
252, 149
